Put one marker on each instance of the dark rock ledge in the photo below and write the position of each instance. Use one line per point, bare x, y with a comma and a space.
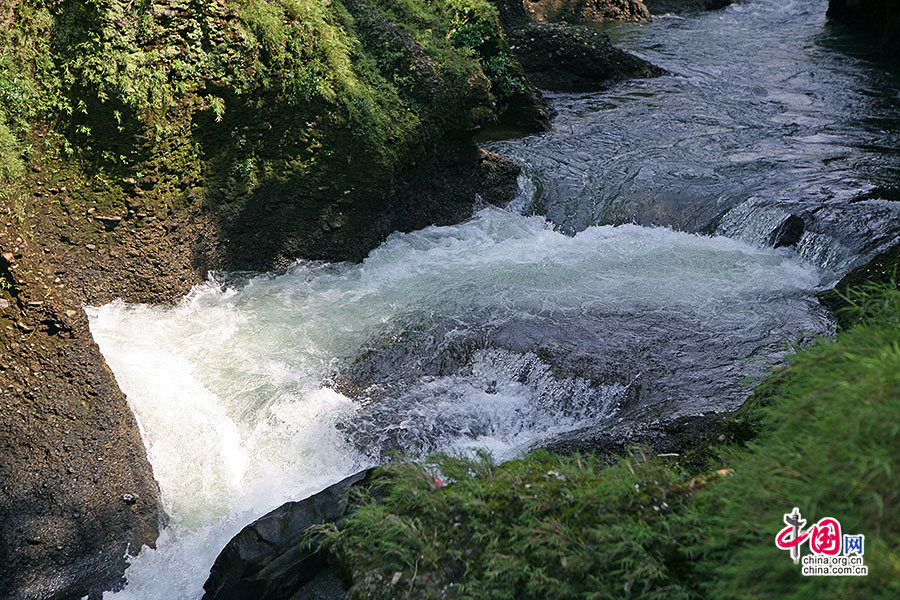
661, 7
563, 57
76, 489
878, 18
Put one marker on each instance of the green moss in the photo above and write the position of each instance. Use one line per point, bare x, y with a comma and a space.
826, 438
238, 95
11, 167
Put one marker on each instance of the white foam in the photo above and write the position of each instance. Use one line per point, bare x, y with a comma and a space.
231, 385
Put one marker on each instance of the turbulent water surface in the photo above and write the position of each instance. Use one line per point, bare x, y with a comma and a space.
768, 111
507, 330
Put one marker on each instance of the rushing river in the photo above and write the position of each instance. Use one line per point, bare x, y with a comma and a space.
593, 299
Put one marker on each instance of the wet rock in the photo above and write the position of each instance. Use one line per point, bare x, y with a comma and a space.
439, 190
661, 7
585, 11
879, 17
883, 269
788, 232
568, 58
272, 558
665, 435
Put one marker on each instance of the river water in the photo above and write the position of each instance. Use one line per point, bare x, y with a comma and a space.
633, 279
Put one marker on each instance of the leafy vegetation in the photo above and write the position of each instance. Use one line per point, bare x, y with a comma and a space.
550, 526
11, 167
546, 526
241, 93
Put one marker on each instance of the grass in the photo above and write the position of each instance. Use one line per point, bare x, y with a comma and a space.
546, 526
550, 526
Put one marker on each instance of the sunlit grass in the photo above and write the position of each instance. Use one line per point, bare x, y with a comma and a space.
550, 526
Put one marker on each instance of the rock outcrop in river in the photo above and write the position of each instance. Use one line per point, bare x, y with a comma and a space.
659, 7
273, 557
879, 17
585, 11
141, 148
567, 58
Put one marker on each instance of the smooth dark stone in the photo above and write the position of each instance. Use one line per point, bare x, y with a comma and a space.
272, 558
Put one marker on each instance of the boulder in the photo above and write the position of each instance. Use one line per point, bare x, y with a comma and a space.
881, 18
575, 59
788, 232
562, 57
272, 558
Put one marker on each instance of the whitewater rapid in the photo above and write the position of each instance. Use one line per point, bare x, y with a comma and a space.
236, 387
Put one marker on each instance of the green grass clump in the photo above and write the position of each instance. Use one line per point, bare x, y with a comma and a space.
11, 167
545, 526
549, 526
829, 445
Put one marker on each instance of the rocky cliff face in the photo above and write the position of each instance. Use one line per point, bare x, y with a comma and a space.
881, 18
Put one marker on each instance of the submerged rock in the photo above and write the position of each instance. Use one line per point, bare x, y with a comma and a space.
272, 558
